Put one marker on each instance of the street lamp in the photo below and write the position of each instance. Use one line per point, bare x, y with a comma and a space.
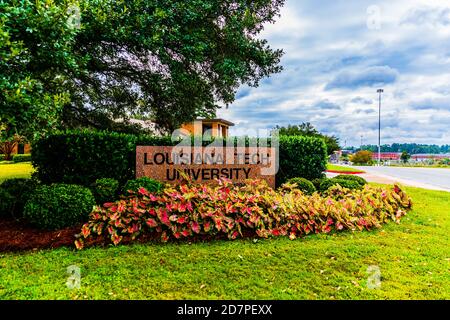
379, 91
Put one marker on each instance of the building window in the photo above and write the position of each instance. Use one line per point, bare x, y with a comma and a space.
207, 127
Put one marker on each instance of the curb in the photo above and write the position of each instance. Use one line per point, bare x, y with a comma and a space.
345, 172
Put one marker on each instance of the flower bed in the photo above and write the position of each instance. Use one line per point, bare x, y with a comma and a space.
187, 211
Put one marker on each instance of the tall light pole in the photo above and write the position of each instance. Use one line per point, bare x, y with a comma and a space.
379, 91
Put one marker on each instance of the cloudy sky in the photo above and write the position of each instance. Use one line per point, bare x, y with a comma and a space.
337, 53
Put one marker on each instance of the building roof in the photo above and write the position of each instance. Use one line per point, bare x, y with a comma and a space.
431, 155
223, 121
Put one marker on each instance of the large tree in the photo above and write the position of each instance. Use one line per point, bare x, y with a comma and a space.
170, 60
36, 54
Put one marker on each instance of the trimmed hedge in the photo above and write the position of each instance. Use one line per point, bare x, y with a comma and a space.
21, 157
58, 206
83, 156
301, 156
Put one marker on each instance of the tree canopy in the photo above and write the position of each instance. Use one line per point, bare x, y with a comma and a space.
405, 156
411, 148
90, 62
36, 50
362, 157
307, 129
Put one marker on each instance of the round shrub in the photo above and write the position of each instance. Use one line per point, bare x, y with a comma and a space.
325, 184
306, 186
14, 193
317, 181
152, 185
105, 190
58, 206
6, 200
328, 183
361, 181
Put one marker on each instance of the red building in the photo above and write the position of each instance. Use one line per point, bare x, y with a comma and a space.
395, 156
387, 156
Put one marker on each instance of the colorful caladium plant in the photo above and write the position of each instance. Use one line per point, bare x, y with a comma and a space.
188, 210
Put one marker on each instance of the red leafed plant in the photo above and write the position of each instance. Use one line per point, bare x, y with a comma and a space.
187, 210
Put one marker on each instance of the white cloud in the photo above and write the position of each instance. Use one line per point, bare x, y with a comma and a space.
368, 77
328, 45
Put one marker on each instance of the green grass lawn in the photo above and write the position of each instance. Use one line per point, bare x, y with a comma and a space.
15, 170
413, 257
336, 167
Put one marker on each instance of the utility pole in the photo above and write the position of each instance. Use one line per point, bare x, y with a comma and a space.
379, 91
360, 147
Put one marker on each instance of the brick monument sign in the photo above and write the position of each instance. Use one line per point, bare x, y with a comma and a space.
206, 164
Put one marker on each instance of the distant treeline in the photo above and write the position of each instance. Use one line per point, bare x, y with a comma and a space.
411, 148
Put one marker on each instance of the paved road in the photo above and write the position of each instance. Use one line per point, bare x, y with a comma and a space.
430, 178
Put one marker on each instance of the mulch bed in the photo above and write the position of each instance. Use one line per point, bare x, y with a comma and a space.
16, 236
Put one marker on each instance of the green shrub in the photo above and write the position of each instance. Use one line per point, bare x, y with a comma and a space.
301, 157
360, 180
21, 157
83, 156
306, 186
362, 157
105, 190
2, 157
317, 181
58, 206
352, 185
328, 183
14, 195
6, 201
151, 185
325, 184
